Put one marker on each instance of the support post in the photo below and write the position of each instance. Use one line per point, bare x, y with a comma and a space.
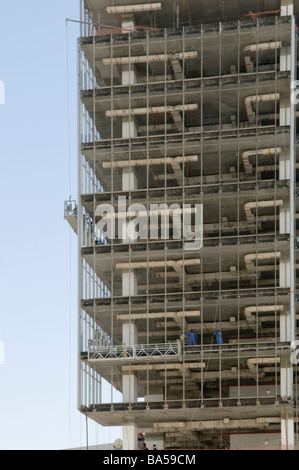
129, 278
287, 431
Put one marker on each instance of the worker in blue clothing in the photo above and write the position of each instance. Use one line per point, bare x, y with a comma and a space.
218, 336
192, 337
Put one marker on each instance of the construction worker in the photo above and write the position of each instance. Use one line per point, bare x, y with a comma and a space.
192, 337
218, 336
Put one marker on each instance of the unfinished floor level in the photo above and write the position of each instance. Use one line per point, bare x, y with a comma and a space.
187, 219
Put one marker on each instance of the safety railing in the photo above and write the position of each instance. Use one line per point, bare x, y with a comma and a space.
135, 352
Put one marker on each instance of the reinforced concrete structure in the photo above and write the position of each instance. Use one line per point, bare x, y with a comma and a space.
190, 103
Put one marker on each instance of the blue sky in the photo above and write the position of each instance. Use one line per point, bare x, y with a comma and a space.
38, 135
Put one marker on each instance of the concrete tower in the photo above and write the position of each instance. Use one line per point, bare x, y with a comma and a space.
187, 220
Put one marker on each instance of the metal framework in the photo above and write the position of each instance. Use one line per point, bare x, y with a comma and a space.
135, 352
188, 104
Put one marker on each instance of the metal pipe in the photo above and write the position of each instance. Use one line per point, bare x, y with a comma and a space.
262, 204
150, 161
254, 153
250, 100
151, 58
149, 110
267, 46
254, 362
261, 309
158, 315
159, 264
249, 259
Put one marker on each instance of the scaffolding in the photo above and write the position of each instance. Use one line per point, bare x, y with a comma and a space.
186, 105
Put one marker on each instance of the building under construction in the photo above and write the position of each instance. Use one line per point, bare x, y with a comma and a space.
187, 220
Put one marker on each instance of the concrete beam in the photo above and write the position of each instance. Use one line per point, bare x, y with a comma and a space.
158, 264
159, 367
226, 423
150, 58
150, 110
121, 9
158, 315
150, 161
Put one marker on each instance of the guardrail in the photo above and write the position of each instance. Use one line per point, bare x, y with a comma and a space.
135, 351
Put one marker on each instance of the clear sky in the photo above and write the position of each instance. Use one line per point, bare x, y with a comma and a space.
38, 317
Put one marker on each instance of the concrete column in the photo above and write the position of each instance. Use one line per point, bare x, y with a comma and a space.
287, 431
130, 387
285, 219
127, 232
130, 437
285, 59
285, 112
129, 129
285, 327
129, 180
129, 380
129, 76
285, 271
130, 390
286, 381
129, 279
284, 166
130, 334
287, 8
129, 338
129, 284
128, 22
156, 394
